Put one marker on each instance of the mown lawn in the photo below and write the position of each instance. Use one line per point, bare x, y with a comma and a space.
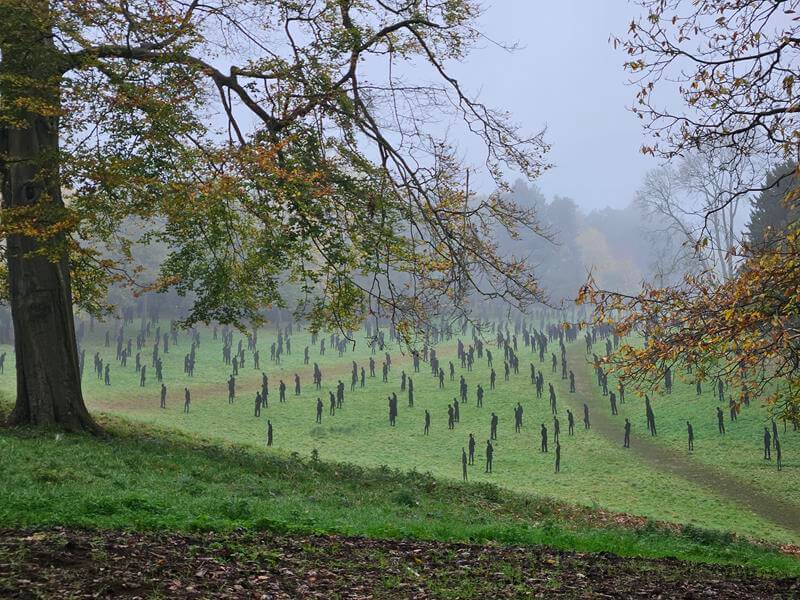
595, 471
138, 478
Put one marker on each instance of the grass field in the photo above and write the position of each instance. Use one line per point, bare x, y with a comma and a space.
142, 479
738, 452
595, 471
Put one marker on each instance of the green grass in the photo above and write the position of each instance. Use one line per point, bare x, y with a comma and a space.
139, 478
596, 472
739, 452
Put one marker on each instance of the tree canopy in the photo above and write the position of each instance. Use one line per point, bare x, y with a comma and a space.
735, 66
268, 142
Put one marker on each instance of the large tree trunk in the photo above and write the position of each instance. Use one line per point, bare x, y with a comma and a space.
48, 377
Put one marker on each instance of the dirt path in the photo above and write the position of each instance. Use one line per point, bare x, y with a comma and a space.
784, 514
63, 563
247, 383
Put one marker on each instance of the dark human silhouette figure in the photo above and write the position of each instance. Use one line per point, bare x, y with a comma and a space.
427, 422
187, 400
393, 410
264, 390
163, 403
320, 406
767, 444
464, 464
340, 394
493, 427
558, 457
257, 412
586, 423
570, 423
471, 447
269, 433
544, 438
774, 434
668, 380
690, 434
231, 389
489, 456
721, 420
651, 418
626, 443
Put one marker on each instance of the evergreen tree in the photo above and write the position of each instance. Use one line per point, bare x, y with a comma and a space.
772, 211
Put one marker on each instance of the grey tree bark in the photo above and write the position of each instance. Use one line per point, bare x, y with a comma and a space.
48, 378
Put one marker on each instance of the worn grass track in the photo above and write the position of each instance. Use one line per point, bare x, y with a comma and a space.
780, 510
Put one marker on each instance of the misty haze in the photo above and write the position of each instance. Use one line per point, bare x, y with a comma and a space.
399, 299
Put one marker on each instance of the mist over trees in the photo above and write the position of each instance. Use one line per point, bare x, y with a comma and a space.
620, 247
652, 240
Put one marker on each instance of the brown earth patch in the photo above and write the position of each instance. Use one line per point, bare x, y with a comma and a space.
63, 563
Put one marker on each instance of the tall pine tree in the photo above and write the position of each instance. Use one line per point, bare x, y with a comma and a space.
772, 210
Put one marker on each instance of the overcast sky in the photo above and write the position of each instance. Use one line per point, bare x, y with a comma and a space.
566, 76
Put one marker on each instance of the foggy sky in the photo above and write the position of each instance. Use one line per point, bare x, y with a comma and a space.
568, 77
